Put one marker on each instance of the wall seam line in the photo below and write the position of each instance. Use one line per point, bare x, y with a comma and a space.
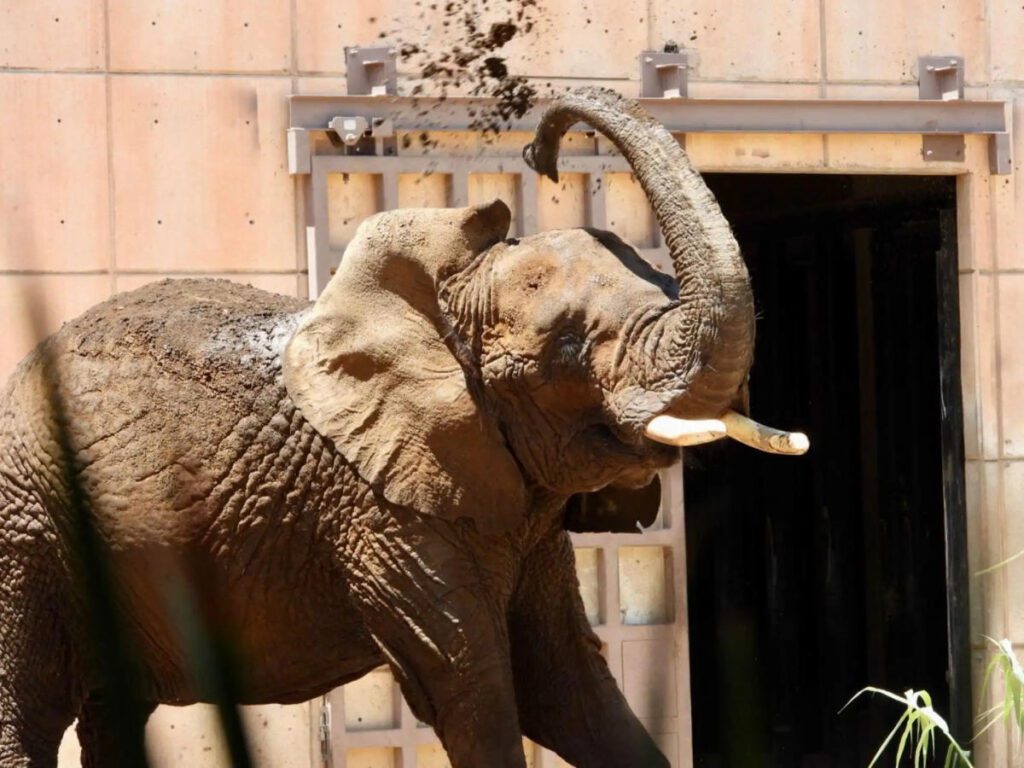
109, 108
298, 182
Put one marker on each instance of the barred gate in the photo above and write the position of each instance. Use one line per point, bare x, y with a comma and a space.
633, 585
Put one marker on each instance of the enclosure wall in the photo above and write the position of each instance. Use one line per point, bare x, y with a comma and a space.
141, 139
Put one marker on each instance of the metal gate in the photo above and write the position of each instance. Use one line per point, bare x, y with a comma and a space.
634, 585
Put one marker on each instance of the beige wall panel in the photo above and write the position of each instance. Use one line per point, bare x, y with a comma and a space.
422, 190
374, 757
975, 222
1018, 166
34, 306
371, 703
629, 213
562, 204
991, 548
52, 34
70, 754
201, 35
645, 590
200, 174
320, 86
1013, 531
1010, 300
1007, 39
485, 187
1008, 191
649, 678
279, 737
590, 38
433, 756
744, 40
882, 153
1007, 224
978, 371
881, 39
510, 143
588, 572
756, 152
54, 206
325, 27
990, 749
351, 197
286, 284
562, 44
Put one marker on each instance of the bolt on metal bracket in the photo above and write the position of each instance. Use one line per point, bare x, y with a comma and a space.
664, 75
941, 78
371, 71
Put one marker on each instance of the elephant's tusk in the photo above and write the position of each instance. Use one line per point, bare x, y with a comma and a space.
672, 431
749, 432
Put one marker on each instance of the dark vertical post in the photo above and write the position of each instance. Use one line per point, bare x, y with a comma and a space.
953, 493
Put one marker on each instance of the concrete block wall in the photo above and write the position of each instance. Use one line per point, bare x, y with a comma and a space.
145, 138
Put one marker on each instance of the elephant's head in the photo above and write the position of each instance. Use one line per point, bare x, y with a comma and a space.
459, 371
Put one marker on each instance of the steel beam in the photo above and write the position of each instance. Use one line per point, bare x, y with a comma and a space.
680, 115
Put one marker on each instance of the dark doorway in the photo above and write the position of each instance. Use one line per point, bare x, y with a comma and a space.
812, 578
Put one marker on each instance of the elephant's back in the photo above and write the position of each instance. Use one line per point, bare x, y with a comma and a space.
161, 390
224, 333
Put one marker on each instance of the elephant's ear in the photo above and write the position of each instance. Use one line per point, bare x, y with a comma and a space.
373, 367
614, 509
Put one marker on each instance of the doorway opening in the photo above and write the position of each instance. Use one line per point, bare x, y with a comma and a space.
811, 578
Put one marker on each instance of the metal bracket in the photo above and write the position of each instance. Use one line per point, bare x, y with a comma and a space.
663, 75
300, 151
351, 130
941, 78
371, 71
324, 733
1000, 154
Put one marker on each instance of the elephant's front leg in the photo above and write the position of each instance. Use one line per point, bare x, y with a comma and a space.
568, 699
436, 602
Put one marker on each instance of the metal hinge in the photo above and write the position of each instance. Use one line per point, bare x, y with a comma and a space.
324, 731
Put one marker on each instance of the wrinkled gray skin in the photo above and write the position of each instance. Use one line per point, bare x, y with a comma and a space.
376, 478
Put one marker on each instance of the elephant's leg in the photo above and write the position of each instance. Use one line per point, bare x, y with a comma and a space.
101, 735
568, 699
36, 680
31, 730
437, 611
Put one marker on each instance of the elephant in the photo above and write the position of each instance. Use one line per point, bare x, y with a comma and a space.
377, 477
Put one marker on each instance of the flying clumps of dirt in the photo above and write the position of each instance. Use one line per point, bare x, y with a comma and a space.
473, 58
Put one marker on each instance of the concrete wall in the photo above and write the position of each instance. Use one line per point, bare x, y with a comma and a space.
145, 138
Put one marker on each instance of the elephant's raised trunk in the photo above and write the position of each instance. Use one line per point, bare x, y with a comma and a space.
692, 359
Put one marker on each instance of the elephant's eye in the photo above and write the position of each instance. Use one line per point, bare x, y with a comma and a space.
570, 349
